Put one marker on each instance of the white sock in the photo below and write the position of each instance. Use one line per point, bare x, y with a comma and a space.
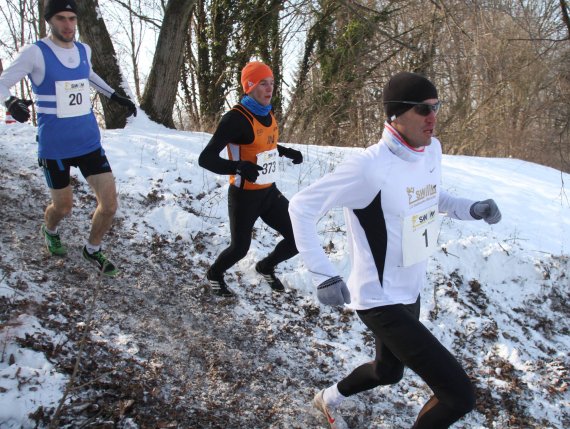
91, 248
332, 397
49, 231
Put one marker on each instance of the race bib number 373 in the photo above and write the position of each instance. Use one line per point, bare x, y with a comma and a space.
268, 161
72, 97
419, 235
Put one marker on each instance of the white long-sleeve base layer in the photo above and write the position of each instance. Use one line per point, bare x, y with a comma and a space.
380, 192
30, 61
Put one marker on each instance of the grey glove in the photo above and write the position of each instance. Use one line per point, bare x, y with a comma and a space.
486, 210
333, 291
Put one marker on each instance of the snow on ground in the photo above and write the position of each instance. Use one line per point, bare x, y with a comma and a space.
497, 298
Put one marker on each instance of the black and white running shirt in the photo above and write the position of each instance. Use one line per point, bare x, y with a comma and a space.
391, 203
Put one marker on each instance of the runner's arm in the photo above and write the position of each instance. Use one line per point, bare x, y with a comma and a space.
96, 81
25, 63
455, 207
99, 85
233, 128
346, 187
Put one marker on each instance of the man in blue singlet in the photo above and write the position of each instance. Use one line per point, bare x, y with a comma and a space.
68, 136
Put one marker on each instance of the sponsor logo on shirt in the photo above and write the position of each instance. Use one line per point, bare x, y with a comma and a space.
420, 220
418, 196
71, 86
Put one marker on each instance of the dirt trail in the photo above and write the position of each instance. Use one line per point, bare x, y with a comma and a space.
162, 352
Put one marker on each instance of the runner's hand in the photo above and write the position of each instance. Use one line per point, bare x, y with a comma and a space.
294, 155
333, 291
486, 210
248, 170
18, 108
124, 101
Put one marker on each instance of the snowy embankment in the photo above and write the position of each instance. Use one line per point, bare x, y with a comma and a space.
157, 350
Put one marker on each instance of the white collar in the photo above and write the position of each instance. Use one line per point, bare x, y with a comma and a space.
398, 145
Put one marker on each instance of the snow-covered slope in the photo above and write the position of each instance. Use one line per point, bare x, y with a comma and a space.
497, 298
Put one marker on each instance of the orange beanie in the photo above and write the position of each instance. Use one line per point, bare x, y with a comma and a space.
253, 73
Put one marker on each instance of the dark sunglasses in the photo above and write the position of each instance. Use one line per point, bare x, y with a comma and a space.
422, 109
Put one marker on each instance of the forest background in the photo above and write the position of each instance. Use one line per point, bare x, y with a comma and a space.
502, 67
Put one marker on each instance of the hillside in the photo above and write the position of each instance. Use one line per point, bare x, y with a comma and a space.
157, 350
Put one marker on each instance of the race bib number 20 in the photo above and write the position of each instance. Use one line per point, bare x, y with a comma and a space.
419, 235
73, 98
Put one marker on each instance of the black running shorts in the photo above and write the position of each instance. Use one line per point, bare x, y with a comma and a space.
57, 171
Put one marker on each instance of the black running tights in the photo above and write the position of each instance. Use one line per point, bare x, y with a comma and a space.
244, 208
403, 341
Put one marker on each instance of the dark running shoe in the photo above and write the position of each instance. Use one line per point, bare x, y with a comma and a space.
270, 278
218, 285
99, 259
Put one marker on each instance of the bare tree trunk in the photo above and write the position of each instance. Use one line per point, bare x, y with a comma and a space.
42, 22
22, 36
275, 55
160, 91
94, 32
565, 15
135, 49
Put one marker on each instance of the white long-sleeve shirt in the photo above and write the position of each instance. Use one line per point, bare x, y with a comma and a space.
30, 61
382, 193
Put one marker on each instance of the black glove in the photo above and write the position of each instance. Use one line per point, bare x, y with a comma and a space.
18, 108
124, 101
292, 154
248, 170
333, 291
486, 210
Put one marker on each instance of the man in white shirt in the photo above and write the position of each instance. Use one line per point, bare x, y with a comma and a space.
68, 135
391, 194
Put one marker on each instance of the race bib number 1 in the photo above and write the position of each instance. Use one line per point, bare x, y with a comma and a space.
419, 235
72, 97
268, 161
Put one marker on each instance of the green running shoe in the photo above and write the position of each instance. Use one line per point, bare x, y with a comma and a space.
99, 259
53, 243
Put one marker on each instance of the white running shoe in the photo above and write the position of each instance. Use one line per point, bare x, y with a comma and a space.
333, 417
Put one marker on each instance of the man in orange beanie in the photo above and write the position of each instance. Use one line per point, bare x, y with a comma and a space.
249, 132
252, 74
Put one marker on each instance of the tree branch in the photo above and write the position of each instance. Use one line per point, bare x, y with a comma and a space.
155, 23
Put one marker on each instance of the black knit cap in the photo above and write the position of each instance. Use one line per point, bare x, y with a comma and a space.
51, 7
406, 86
